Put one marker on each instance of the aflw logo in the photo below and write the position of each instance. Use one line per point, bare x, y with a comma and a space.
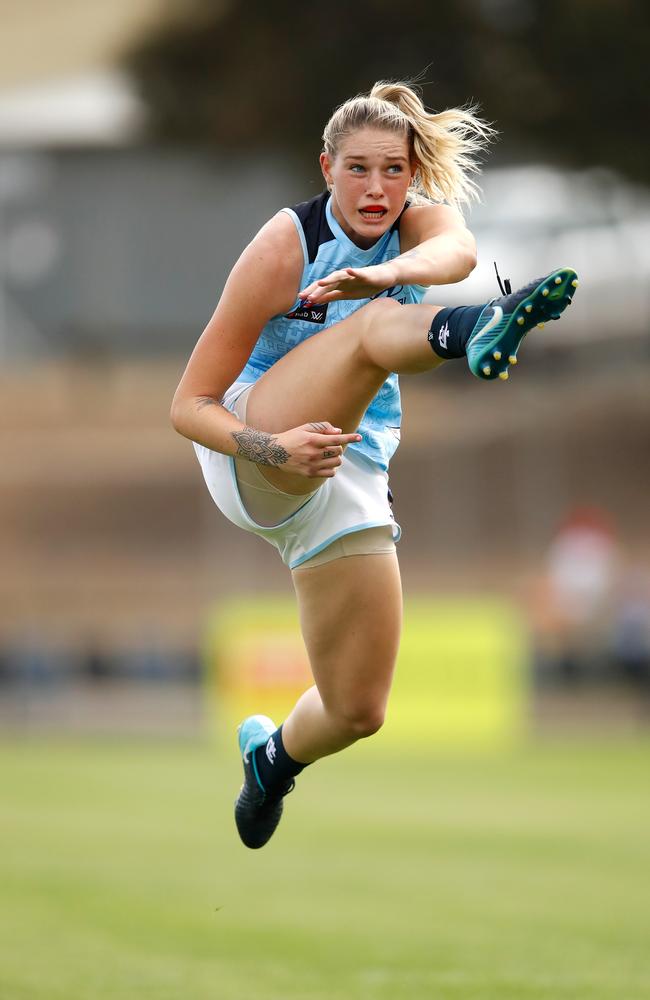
311, 314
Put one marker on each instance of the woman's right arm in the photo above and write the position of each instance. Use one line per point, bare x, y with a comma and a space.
263, 283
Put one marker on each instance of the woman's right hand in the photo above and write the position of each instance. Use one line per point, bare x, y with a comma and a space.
313, 450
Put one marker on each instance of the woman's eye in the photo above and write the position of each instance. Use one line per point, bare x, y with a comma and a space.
356, 167
395, 168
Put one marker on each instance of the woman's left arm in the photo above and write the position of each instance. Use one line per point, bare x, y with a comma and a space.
438, 250
438, 247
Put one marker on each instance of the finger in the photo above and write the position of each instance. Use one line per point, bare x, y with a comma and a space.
320, 440
306, 294
323, 298
324, 427
333, 278
317, 286
307, 301
337, 290
310, 290
327, 474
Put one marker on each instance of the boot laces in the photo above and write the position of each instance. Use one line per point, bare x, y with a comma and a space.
505, 286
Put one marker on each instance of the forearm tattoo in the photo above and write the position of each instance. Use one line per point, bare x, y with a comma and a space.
259, 447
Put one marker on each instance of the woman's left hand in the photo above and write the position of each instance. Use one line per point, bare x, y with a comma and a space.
350, 283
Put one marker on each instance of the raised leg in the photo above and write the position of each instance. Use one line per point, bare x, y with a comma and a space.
336, 373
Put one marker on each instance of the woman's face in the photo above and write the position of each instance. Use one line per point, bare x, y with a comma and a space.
369, 178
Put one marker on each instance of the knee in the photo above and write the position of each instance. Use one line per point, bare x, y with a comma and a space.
361, 721
381, 307
376, 313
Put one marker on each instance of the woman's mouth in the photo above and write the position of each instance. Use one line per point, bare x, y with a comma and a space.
372, 213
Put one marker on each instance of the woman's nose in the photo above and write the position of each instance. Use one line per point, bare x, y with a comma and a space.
375, 186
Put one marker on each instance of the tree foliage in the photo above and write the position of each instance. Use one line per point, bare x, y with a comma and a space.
563, 80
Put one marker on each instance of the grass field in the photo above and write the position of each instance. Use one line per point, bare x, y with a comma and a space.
511, 876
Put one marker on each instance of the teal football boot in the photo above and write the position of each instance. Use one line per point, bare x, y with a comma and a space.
257, 812
505, 321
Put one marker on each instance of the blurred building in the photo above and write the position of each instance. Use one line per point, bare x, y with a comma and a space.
123, 253
42, 43
112, 258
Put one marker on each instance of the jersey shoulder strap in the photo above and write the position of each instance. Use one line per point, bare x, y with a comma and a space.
310, 219
313, 220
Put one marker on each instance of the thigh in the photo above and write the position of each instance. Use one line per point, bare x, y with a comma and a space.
327, 377
335, 374
351, 617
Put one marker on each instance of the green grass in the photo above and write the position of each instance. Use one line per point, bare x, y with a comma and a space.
504, 876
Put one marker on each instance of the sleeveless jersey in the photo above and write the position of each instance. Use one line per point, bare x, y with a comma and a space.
326, 248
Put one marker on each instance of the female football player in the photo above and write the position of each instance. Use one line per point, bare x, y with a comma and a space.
291, 399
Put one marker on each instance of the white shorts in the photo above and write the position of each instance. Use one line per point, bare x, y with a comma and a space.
354, 499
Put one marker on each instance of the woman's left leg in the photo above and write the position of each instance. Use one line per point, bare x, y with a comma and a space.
351, 617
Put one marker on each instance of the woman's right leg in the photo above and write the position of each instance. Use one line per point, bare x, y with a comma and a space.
335, 374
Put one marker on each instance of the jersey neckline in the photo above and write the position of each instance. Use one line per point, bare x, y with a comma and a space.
343, 238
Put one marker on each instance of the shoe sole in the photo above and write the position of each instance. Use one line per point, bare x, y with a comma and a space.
547, 302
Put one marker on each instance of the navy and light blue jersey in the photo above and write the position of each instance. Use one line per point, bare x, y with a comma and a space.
326, 248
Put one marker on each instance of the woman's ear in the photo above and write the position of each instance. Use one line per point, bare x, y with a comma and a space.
325, 166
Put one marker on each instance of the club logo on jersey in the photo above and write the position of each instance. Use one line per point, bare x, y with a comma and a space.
394, 292
311, 314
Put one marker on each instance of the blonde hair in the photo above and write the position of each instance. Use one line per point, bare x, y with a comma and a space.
445, 146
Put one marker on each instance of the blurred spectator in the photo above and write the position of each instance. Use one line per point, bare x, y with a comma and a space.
582, 566
591, 615
578, 596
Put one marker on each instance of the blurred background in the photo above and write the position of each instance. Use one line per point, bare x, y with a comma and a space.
493, 840
141, 146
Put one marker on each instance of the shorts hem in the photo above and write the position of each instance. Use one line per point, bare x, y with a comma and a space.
397, 534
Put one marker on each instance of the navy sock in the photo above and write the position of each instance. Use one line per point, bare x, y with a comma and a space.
451, 329
273, 764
